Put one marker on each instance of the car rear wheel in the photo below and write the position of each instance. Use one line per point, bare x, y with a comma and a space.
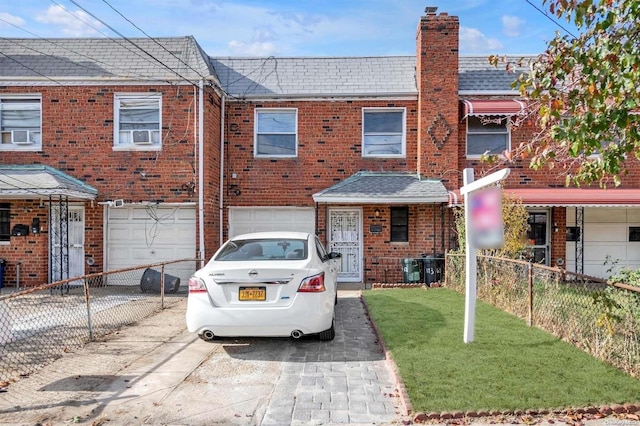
328, 334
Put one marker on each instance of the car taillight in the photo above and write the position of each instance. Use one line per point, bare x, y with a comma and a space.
196, 285
314, 284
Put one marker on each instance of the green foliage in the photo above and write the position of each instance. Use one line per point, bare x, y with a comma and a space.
514, 216
627, 276
582, 93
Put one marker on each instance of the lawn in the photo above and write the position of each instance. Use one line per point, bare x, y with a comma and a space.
509, 366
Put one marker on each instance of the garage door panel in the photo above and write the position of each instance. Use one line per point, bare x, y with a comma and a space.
138, 235
255, 219
599, 252
605, 215
605, 232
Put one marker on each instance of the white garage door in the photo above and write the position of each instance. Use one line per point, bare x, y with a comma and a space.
606, 247
139, 235
255, 219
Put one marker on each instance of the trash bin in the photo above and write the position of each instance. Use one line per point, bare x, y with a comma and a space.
411, 270
3, 264
150, 282
433, 268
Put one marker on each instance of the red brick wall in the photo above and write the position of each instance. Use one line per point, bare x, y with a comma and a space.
437, 74
77, 139
329, 151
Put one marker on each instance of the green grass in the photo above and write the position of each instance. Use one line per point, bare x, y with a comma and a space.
509, 365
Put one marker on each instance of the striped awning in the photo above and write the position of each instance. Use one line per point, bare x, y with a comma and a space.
492, 107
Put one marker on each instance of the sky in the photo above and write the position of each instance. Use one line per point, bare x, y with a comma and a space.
288, 27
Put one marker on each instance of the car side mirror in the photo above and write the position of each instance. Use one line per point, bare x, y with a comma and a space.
334, 255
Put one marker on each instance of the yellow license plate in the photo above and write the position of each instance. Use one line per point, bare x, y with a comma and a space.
252, 293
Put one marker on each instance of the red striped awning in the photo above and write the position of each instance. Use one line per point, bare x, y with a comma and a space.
567, 197
492, 107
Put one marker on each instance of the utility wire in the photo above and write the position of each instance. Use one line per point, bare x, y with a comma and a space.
133, 43
551, 19
151, 38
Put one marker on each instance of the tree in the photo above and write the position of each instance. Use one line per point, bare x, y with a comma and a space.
514, 216
583, 93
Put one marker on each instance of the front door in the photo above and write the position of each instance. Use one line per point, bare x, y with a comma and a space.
67, 242
538, 236
345, 237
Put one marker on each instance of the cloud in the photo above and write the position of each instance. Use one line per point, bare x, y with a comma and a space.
511, 25
72, 24
474, 41
10, 19
256, 48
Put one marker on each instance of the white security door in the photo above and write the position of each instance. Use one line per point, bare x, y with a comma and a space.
345, 237
76, 241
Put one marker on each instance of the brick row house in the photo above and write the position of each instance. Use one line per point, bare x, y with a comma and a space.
130, 152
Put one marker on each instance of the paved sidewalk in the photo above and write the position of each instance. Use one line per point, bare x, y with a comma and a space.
157, 373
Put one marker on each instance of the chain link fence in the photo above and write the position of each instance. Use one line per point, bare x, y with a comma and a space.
40, 324
600, 318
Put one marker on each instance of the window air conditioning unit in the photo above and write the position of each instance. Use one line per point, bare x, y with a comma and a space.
141, 136
20, 137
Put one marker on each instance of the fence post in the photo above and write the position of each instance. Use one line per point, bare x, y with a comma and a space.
87, 299
530, 294
162, 286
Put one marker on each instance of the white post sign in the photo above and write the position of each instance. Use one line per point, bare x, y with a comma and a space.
483, 229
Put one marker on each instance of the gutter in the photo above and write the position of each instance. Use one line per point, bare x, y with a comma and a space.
201, 169
221, 207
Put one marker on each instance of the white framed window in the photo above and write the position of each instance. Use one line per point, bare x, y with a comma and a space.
21, 123
487, 135
137, 121
383, 132
276, 132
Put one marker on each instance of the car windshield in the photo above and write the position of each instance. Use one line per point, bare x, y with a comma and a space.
263, 249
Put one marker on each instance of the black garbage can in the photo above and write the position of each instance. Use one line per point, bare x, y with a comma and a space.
150, 282
433, 268
3, 265
411, 270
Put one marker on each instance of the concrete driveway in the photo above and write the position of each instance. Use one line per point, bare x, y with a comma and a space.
157, 373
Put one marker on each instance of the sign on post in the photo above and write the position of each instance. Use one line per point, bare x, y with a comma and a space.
481, 231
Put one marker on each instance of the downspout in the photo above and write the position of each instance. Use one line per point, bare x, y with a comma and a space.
201, 168
220, 212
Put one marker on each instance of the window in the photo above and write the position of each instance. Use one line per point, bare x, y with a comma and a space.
573, 233
20, 123
138, 121
5, 222
488, 135
634, 233
383, 132
276, 133
400, 224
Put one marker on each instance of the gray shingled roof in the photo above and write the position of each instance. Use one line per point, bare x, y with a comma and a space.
384, 187
103, 58
331, 76
358, 76
476, 74
38, 181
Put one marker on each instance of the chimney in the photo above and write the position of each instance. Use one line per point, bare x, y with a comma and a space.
437, 79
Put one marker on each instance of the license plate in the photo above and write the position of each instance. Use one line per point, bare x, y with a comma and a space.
252, 293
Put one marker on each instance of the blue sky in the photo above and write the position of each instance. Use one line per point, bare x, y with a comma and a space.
287, 27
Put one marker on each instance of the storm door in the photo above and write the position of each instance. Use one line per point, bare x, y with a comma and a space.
345, 237
538, 236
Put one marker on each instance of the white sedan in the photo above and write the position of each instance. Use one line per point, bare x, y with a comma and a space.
273, 284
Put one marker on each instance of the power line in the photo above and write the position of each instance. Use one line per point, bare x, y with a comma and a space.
551, 19
151, 38
133, 43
